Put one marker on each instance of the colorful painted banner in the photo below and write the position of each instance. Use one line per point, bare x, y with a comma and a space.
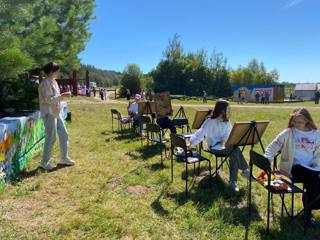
253, 93
20, 139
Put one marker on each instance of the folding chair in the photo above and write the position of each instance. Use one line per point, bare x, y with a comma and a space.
189, 157
155, 134
143, 120
218, 156
122, 121
275, 168
263, 164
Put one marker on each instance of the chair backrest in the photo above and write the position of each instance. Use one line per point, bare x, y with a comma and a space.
260, 161
115, 112
177, 141
151, 127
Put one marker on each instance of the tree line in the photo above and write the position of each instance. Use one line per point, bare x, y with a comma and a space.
191, 73
103, 78
34, 32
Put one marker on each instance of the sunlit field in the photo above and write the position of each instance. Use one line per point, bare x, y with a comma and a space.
118, 189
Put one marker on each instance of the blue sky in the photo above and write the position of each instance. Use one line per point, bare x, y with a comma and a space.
284, 34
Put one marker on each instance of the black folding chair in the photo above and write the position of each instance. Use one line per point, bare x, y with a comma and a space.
155, 134
263, 164
187, 155
275, 168
143, 120
220, 159
122, 121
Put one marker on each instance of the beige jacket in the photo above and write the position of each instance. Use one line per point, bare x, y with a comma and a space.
49, 97
284, 143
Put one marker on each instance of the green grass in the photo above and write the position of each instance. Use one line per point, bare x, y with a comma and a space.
94, 199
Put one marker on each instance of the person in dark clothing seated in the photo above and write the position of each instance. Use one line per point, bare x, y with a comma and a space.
166, 122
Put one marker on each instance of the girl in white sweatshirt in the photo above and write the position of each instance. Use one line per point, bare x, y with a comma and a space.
216, 131
299, 145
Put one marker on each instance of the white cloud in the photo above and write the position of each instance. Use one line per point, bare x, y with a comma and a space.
293, 3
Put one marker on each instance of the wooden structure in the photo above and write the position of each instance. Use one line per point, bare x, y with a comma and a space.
74, 82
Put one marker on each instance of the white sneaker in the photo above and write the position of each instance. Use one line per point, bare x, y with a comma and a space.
234, 186
67, 162
246, 173
46, 167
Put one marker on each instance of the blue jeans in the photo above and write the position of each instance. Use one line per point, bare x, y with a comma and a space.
53, 125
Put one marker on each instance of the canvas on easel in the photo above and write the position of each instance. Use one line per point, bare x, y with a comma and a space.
199, 118
146, 107
163, 105
247, 133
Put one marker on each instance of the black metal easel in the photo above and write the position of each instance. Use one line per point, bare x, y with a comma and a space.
252, 130
147, 110
180, 120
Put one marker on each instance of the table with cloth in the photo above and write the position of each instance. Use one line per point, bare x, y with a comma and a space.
21, 138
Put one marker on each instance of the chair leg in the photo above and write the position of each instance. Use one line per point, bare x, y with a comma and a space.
292, 204
282, 203
268, 213
186, 179
161, 146
305, 213
210, 177
216, 168
171, 166
249, 195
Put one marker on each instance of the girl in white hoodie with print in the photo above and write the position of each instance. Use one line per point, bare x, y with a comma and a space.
299, 145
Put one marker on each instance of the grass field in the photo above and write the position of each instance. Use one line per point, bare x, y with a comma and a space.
117, 190
211, 103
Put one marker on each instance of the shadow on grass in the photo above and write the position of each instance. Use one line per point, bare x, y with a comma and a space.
132, 155
156, 166
287, 228
107, 132
35, 172
157, 207
151, 150
125, 134
213, 198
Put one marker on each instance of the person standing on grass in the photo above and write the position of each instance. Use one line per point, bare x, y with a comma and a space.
128, 94
204, 100
317, 97
262, 98
267, 98
257, 96
50, 100
216, 131
239, 96
101, 94
104, 94
299, 145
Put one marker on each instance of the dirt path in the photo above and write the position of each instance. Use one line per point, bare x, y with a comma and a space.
112, 101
